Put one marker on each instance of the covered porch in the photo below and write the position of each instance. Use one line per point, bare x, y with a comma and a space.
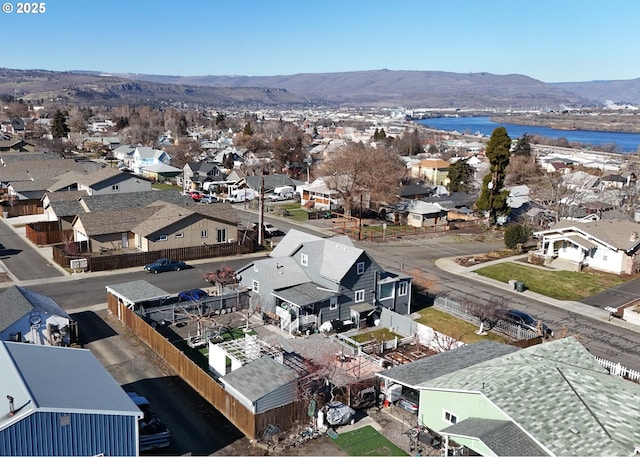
566, 251
298, 306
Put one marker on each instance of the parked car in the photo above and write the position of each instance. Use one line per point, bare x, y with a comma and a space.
209, 198
523, 320
196, 195
192, 295
269, 229
409, 401
161, 265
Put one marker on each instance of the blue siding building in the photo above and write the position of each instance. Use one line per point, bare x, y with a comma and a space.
60, 401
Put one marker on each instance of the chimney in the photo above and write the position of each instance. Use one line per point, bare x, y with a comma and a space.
634, 236
12, 409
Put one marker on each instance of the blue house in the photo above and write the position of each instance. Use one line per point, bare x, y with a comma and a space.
61, 401
309, 280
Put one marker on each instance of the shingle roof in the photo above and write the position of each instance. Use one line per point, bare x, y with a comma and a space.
16, 302
136, 291
559, 394
614, 233
100, 175
502, 437
112, 202
105, 222
251, 382
425, 369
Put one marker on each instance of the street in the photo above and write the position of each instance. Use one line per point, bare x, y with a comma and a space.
198, 428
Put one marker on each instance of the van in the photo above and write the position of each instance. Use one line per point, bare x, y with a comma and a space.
241, 195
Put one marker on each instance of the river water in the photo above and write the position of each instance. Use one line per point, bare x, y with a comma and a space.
625, 142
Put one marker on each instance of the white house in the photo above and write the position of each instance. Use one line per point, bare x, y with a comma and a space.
610, 246
145, 156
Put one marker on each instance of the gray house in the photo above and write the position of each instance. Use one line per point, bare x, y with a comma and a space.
309, 280
112, 181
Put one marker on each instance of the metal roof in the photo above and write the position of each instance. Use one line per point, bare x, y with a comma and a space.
304, 294
50, 378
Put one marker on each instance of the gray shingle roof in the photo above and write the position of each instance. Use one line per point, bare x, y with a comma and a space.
101, 175
560, 395
422, 370
137, 291
502, 437
135, 199
251, 380
304, 294
105, 222
613, 233
16, 302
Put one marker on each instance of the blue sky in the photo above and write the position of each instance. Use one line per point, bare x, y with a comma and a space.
549, 40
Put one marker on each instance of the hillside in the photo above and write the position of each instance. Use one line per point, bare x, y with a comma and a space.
410, 89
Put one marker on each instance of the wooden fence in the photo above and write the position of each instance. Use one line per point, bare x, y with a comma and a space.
63, 254
44, 233
252, 425
352, 229
22, 208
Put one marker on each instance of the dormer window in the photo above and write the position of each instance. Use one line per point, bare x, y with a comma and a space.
304, 260
360, 268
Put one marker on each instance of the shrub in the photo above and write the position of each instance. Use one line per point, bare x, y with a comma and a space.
516, 234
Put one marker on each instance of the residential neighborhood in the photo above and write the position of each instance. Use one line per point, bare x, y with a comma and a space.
346, 287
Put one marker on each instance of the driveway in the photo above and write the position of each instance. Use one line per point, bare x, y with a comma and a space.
616, 296
21, 258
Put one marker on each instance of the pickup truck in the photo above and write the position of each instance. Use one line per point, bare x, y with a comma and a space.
269, 229
161, 265
153, 432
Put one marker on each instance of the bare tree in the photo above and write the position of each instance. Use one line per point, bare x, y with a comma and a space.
358, 170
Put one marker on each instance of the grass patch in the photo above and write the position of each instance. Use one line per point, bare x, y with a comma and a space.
382, 334
455, 328
367, 441
163, 186
295, 212
558, 284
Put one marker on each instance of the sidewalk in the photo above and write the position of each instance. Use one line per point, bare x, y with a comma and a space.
449, 264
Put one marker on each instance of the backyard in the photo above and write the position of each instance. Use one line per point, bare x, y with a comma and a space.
453, 327
558, 284
367, 441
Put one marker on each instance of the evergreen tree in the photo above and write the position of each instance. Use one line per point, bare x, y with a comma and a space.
460, 176
376, 135
522, 147
492, 197
247, 129
59, 128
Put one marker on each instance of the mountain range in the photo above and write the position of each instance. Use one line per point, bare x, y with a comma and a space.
410, 89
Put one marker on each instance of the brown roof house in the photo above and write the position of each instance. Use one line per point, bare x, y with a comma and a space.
610, 246
112, 180
157, 226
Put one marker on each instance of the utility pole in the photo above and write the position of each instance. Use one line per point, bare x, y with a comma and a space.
261, 212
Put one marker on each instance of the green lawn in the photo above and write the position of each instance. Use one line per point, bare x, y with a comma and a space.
561, 285
455, 328
367, 441
163, 186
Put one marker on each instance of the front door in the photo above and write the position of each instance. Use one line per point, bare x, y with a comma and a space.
125, 240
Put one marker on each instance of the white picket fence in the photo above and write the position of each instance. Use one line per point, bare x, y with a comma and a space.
617, 369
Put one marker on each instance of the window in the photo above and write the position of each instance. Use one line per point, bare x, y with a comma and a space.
255, 286
115, 187
360, 268
221, 235
604, 257
333, 303
359, 296
204, 234
180, 235
403, 288
162, 238
448, 417
304, 260
385, 290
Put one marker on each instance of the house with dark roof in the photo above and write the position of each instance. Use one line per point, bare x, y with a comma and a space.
159, 225
27, 316
62, 401
603, 245
15, 146
416, 213
308, 280
551, 399
195, 174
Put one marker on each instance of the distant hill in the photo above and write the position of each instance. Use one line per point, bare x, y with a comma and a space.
617, 91
410, 89
392, 88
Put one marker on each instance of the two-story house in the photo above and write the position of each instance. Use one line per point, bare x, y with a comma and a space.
145, 156
308, 280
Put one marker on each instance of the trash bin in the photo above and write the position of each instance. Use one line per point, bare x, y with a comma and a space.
520, 286
512, 284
